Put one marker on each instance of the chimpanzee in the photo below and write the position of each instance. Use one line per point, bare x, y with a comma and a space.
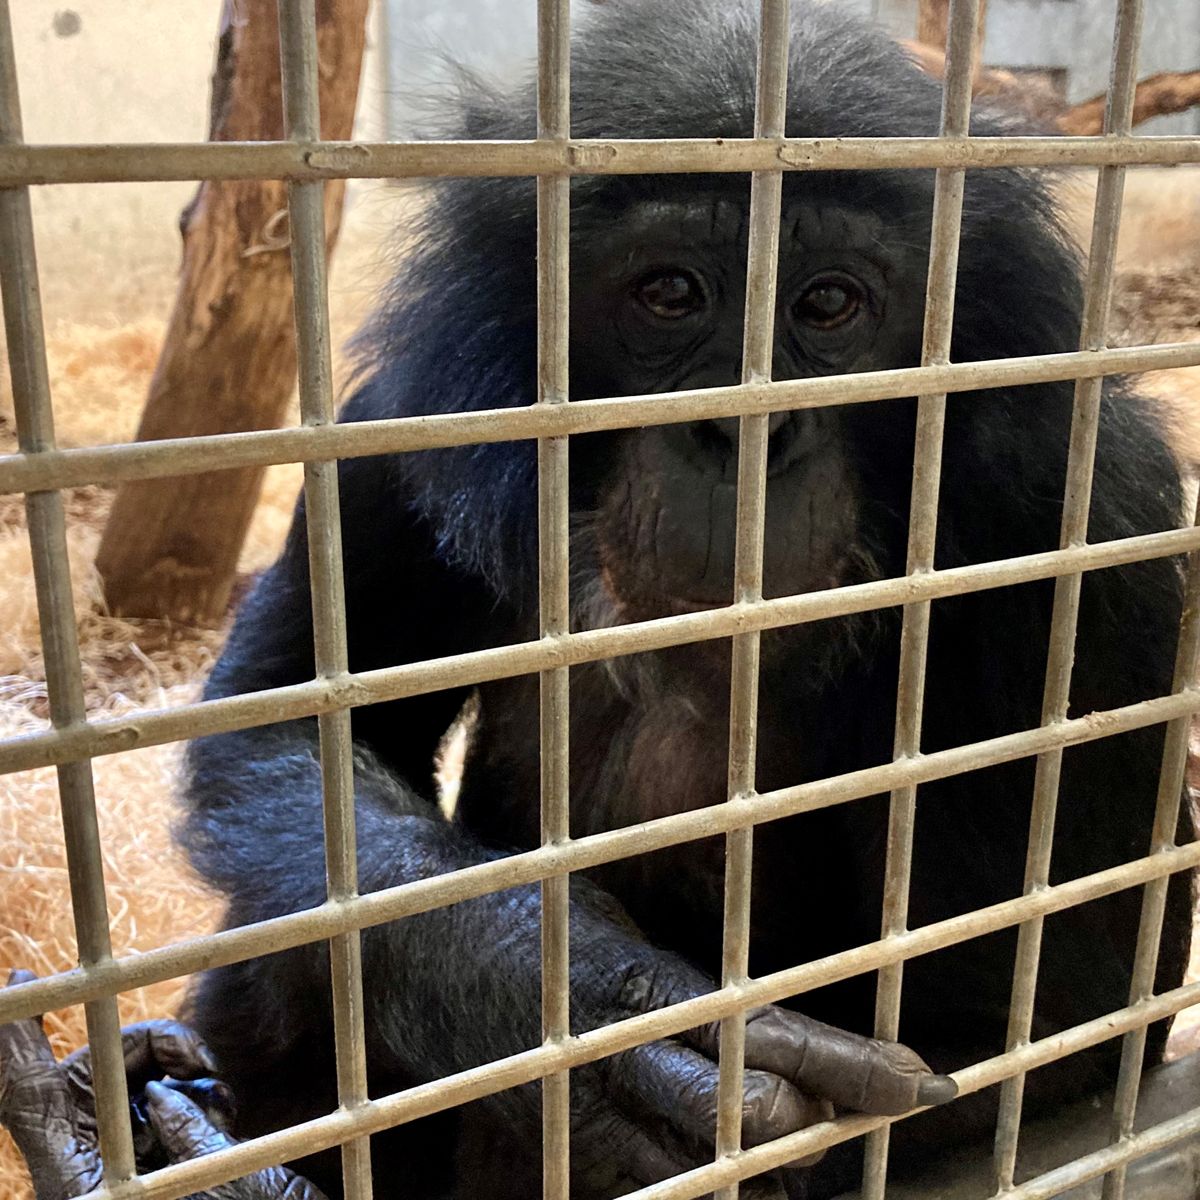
440, 552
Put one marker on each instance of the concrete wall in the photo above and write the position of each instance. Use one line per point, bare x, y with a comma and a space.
1072, 35
1076, 35
138, 70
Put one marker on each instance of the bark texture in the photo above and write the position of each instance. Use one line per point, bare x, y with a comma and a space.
228, 361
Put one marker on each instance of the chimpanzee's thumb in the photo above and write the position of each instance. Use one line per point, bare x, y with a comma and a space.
181, 1125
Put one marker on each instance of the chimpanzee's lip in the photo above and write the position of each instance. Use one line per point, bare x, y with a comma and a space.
689, 604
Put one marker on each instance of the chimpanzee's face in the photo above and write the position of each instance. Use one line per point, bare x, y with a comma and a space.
658, 305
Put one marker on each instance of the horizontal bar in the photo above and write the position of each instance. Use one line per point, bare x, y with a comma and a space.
391, 904
1119, 1154
153, 727
119, 463
774, 1155
466, 1086
162, 161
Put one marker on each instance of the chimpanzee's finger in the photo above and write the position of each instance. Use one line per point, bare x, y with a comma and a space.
33, 1092
37, 1109
166, 1048
213, 1096
643, 1157
182, 1125
680, 1086
848, 1070
23, 1044
151, 1049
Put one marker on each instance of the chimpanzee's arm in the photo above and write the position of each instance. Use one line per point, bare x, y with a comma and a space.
455, 987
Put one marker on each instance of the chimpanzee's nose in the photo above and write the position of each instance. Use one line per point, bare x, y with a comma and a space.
789, 434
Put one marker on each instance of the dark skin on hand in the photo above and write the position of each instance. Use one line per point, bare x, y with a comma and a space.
179, 1110
440, 552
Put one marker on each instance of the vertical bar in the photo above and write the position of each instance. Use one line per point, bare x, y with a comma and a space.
553, 265
298, 57
1065, 614
56, 616
922, 535
1187, 675
762, 263
1154, 898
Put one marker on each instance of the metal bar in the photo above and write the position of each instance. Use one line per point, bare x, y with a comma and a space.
306, 212
392, 904
922, 536
1116, 1157
1118, 123
1085, 424
758, 347
306, 162
154, 727
1166, 820
466, 1086
1053, 1183
553, 381
47, 529
228, 451
152, 162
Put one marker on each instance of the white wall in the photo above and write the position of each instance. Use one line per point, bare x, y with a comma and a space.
121, 70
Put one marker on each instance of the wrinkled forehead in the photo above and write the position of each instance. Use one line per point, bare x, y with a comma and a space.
719, 223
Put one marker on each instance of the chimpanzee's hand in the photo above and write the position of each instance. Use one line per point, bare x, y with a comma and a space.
186, 1131
49, 1108
651, 1112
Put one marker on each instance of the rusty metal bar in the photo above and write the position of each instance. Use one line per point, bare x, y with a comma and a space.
922, 536
154, 727
377, 908
228, 451
151, 162
1085, 424
47, 528
758, 346
553, 381
466, 1086
306, 211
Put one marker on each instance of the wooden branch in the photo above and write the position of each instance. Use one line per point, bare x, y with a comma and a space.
228, 362
1156, 96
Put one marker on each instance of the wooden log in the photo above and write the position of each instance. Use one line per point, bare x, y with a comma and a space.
228, 361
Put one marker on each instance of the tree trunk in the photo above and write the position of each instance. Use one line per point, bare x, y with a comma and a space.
228, 361
933, 22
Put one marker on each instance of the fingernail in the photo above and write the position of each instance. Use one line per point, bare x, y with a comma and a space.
157, 1092
208, 1060
936, 1089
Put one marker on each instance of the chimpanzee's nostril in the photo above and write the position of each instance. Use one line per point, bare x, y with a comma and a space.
719, 437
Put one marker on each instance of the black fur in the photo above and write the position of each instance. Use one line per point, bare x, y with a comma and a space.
441, 558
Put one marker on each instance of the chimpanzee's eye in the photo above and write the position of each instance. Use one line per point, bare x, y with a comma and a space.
829, 301
670, 294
